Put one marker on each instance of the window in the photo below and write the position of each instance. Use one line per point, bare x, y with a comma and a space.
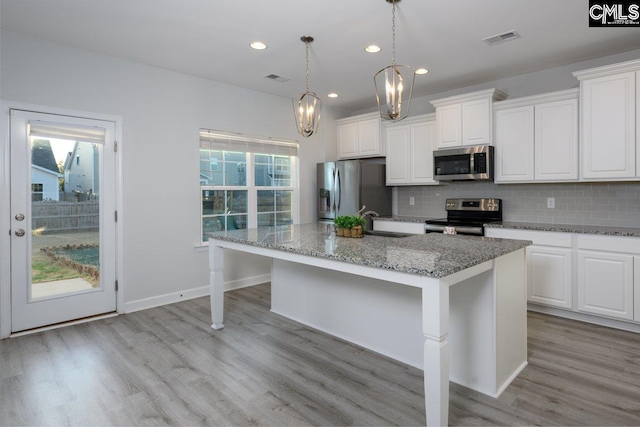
37, 191
246, 182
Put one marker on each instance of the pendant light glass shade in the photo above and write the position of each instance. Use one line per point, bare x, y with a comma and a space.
394, 84
308, 108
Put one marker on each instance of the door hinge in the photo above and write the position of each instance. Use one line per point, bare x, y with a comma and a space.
115, 146
116, 286
115, 216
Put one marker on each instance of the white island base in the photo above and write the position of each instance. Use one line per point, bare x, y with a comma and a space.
469, 326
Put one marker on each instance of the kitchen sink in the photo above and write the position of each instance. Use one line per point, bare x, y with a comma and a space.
386, 233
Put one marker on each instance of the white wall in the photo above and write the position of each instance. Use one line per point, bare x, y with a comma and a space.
162, 112
49, 183
549, 80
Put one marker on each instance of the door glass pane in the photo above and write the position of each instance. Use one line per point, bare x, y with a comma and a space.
65, 217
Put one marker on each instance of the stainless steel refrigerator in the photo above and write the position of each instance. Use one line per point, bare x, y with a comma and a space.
345, 186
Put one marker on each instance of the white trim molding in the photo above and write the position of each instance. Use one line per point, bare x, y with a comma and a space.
203, 291
5, 212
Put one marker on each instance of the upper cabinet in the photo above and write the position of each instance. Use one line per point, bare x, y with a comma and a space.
410, 145
609, 102
465, 120
537, 138
359, 136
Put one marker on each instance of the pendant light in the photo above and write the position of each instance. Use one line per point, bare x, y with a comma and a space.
394, 83
307, 109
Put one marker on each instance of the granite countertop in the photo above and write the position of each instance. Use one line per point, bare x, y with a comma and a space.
568, 228
433, 254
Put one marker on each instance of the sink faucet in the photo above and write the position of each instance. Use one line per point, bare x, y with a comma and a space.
372, 213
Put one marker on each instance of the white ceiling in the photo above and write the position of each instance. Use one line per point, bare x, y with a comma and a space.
210, 38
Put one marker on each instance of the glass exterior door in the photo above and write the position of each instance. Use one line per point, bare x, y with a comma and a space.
63, 226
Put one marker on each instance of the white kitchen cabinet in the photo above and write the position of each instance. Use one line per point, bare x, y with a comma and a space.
476, 122
609, 99
410, 151
514, 145
537, 138
359, 136
549, 279
450, 130
576, 274
556, 141
549, 265
465, 120
605, 284
636, 289
399, 226
398, 140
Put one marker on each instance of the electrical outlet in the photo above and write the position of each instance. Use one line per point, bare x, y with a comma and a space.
412, 201
551, 202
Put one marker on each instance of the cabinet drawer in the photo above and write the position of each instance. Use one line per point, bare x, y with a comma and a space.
399, 227
629, 245
540, 238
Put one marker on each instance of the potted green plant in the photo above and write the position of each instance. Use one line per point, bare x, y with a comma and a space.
349, 225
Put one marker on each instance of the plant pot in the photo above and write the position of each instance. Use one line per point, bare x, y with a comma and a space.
340, 232
356, 231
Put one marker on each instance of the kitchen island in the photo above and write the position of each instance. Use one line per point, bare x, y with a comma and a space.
454, 306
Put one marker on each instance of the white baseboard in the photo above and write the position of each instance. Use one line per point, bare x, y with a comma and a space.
246, 282
584, 317
157, 301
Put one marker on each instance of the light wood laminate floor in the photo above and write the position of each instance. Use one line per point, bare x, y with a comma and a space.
166, 366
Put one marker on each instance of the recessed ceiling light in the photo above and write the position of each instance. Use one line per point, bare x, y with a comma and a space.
333, 95
422, 71
372, 49
258, 45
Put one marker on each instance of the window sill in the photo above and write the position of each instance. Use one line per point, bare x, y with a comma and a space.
201, 247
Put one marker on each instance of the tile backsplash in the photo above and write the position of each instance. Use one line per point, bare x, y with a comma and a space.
605, 204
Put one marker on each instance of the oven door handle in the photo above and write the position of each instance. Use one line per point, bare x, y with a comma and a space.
435, 228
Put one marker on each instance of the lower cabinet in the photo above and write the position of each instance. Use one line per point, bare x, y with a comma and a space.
549, 265
585, 273
605, 284
636, 288
549, 276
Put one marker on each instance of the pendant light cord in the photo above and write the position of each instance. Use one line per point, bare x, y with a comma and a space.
393, 32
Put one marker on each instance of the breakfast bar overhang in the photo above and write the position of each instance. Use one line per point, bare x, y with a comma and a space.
452, 305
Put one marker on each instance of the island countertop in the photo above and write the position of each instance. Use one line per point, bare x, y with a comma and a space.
432, 254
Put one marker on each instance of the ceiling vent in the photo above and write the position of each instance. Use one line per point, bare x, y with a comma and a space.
501, 38
277, 78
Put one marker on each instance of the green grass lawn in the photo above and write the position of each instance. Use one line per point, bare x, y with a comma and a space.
45, 270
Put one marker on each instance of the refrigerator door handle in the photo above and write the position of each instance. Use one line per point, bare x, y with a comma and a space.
332, 201
339, 188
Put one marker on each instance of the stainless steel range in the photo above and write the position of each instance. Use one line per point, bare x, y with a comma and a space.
467, 216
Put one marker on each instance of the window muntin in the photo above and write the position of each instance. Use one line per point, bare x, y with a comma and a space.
37, 191
275, 207
272, 170
245, 190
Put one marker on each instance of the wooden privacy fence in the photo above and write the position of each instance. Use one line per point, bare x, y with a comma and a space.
48, 216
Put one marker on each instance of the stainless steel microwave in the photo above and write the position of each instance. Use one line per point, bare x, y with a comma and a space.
468, 163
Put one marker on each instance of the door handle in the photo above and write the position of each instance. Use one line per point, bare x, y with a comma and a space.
19, 217
339, 186
333, 191
19, 232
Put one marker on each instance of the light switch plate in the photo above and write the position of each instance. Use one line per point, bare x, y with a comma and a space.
412, 201
551, 202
